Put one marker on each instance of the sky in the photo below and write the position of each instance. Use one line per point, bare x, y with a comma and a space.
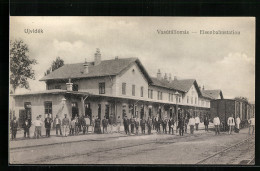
225, 61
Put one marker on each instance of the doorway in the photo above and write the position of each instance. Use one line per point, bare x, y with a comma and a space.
99, 111
142, 112
150, 112
107, 112
75, 110
160, 113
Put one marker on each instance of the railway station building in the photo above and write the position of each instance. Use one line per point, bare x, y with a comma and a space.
115, 87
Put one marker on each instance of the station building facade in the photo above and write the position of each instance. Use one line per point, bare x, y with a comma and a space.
115, 87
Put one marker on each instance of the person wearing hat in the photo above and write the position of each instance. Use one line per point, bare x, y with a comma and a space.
126, 124
149, 125
26, 128
192, 124
197, 121
142, 123
14, 126
57, 125
132, 123
171, 124
137, 123
104, 124
65, 125
48, 122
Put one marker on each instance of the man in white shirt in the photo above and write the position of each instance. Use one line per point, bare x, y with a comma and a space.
191, 124
216, 122
238, 121
231, 124
87, 120
38, 124
197, 121
251, 121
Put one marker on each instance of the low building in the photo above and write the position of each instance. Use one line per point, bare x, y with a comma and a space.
118, 87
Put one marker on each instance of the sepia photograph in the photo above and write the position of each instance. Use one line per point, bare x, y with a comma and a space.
131, 90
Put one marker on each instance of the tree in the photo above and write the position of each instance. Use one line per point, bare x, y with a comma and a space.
55, 65
20, 65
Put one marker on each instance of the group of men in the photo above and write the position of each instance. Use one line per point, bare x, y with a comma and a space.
72, 127
134, 123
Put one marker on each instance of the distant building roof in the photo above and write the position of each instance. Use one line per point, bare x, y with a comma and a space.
179, 85
213, 94
105, 68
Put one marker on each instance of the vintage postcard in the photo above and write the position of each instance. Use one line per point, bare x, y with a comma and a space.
132, 90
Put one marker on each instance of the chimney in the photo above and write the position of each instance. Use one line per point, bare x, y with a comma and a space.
85, 67
165, 76
69, 85
159, 74
170, 77
175, 78
97, 57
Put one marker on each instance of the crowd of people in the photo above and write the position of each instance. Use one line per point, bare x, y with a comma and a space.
132, 126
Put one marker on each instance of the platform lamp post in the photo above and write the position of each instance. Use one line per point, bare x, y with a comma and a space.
177, 94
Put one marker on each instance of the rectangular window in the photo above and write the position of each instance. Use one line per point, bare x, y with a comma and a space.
169, 98
187, 99
158, 95
102, 88
57, 86
123, 88
133, 90
161, 96
75, 87
191, 100
142, 92
179, 99
48, 107
151, 94
195, 100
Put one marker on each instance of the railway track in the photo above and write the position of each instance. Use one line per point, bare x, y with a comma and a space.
90, 153
203, 161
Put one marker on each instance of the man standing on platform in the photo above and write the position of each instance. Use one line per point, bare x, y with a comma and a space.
231, 124
118, 124
238, 121
48, 125
14, 126
206, 123
65, 125
252, 125
110, 122
126, 125
104, 124
197, 122
171, 124
192, 123
132, 123
149, 125
142, 123
26, 127
57, 125
216, 122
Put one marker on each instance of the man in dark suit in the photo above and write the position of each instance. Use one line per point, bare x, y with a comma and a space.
149, 125
126, 125
14, 126
181, 125
48, 122
142, 123
164, 124
132, 123
170, 124
26, 128
104, 124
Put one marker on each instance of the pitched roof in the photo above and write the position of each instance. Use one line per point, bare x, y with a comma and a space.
179, 85
105, 68
213, 94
